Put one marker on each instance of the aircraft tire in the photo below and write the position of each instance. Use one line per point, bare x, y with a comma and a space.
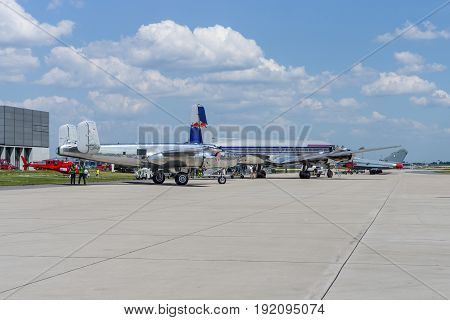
329, 174
181, 178
159, 177
261, 174
222, 180
305, 175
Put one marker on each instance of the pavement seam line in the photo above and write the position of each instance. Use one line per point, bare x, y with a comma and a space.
36, 280
359, 240
91, 240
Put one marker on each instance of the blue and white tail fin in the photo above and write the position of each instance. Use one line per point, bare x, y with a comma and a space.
198, 122
397, 156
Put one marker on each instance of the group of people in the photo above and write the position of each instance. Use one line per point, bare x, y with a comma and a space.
81, 170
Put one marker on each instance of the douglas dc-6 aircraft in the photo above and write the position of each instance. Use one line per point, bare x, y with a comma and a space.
273, 154
177, 159
393, 161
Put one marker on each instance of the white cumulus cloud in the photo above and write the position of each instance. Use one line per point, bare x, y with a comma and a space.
15, 62
72, 70
415, 63
392, 83
15, 30
421, 101
441, 97
407, 57
425, 31
117, 103
171, 45
217, 65
54, 4
59, 107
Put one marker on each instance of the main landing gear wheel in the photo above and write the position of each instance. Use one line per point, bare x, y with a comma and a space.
261, 174
181, 178
159, 178
304, 175
329, 173
222, 180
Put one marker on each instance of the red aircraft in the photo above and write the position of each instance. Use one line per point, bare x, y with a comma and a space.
55, 165
5, 165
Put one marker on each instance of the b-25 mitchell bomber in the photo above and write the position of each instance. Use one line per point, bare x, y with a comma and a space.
172, 159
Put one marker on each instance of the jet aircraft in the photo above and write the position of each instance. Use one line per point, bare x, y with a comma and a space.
393, 161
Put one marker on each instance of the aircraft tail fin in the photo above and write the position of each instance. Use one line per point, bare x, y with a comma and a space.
87, 137
67, 134
397, 156
198, 122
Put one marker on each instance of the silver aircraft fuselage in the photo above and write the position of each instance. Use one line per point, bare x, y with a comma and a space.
170, 155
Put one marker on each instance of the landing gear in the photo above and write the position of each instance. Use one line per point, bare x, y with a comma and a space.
261, 174
375, 171
222, 180
158, 177
181, 178
304, 175
330, 173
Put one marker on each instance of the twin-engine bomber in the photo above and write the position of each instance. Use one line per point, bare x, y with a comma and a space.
162, 159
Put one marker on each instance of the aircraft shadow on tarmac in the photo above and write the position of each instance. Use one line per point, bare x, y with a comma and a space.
167, 184
324, 179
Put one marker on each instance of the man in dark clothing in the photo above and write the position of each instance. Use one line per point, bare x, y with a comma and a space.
81, 173
73, 172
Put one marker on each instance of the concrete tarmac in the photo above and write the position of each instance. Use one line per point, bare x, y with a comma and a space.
350, 237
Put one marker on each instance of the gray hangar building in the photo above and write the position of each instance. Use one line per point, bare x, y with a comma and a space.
23, 132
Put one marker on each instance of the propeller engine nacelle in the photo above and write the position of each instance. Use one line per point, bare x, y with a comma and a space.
220, 160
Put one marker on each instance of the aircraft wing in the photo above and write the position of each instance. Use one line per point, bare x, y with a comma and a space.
184, 156
186, 150
333, 155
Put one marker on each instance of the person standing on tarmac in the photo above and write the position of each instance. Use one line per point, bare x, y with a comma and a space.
81, 173
73, 173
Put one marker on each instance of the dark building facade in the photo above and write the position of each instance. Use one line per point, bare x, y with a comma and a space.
23, 132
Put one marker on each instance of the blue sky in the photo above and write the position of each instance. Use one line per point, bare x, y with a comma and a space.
245, 61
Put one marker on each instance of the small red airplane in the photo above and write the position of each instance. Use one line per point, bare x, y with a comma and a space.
55, 165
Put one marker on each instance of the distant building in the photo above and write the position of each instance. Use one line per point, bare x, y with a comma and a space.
23, 132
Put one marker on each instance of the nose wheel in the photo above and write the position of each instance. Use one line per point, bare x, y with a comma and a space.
222, 180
